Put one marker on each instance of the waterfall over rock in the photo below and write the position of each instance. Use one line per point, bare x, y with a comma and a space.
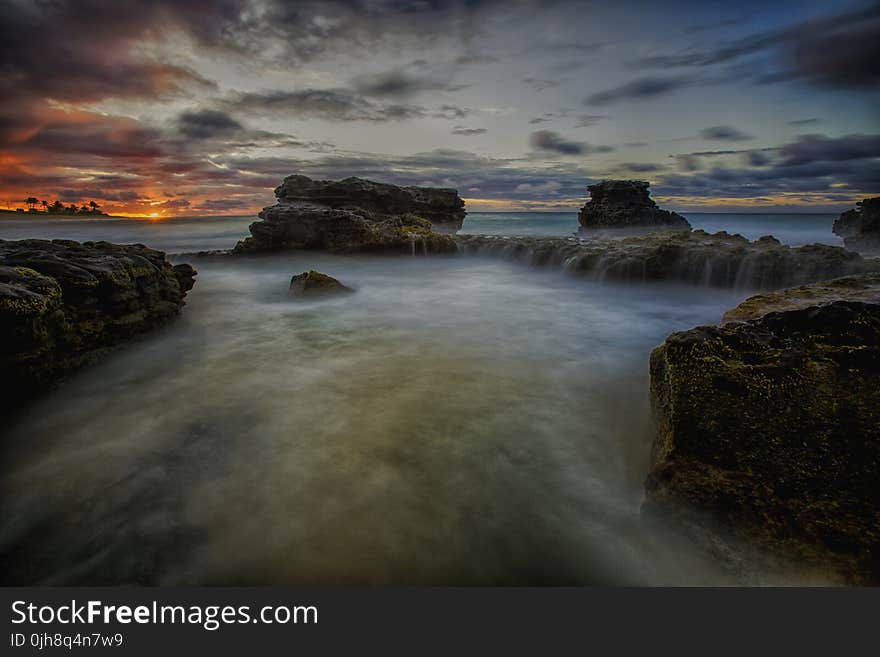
697, 257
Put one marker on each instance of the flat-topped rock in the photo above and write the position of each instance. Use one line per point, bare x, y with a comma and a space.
355, 215
696, 257
625, 204
441, 206
860, 228
63, 304
864, 288
771, 428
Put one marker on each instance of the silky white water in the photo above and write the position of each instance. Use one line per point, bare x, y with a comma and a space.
458, 420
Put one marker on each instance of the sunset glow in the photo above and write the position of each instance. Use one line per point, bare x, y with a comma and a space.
160, 111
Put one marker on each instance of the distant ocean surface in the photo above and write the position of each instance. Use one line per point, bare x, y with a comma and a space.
185, 234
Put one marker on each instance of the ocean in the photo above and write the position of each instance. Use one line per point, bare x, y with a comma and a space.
456, 421
189, 234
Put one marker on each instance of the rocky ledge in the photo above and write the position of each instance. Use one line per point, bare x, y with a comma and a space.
860, 228
862, 288
771, 426
625, 204
354, 215
719, 259
63, 304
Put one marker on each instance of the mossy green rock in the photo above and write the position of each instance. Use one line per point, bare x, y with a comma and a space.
63, 304
772, 427
315, 284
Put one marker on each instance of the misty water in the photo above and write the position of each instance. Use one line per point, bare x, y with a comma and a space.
458, 420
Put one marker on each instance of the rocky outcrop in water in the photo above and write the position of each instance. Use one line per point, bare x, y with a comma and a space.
354, 215
63, 304
313, 283
771, 427
860, 228
625, 204
696, 257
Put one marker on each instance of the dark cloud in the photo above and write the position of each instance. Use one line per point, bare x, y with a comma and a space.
91, 54
756, 158
640, 167
332, 105
172, 204
401, 83
811, 121
219, 205
63, 134
87, 193
461, 130
838, 50
818, 148
724, 133
207, 124
547, 140
647, 87
216, 129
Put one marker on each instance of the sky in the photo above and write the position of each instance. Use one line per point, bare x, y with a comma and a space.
164, 108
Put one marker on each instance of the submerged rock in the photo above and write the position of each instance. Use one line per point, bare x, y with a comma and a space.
860, 228
696, 257
625, 204
771, 427
356, 215
64, 303
315, 284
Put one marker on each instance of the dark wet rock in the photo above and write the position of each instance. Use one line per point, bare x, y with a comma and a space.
442, 207
354, 215
696, 257
315, 284
64, 303
771, 429
864, 287
860, 228
625, 204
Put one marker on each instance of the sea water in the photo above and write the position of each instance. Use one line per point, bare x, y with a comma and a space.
458, 420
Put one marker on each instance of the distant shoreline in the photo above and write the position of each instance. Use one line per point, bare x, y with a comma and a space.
5, 214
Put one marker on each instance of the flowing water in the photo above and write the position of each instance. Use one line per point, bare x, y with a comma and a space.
458, 420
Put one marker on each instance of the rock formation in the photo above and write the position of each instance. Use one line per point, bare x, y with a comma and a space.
863, 288
442, 207
860, 228
625, 204
696, 257
63, 304
315, 284
356, 215
771, 426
